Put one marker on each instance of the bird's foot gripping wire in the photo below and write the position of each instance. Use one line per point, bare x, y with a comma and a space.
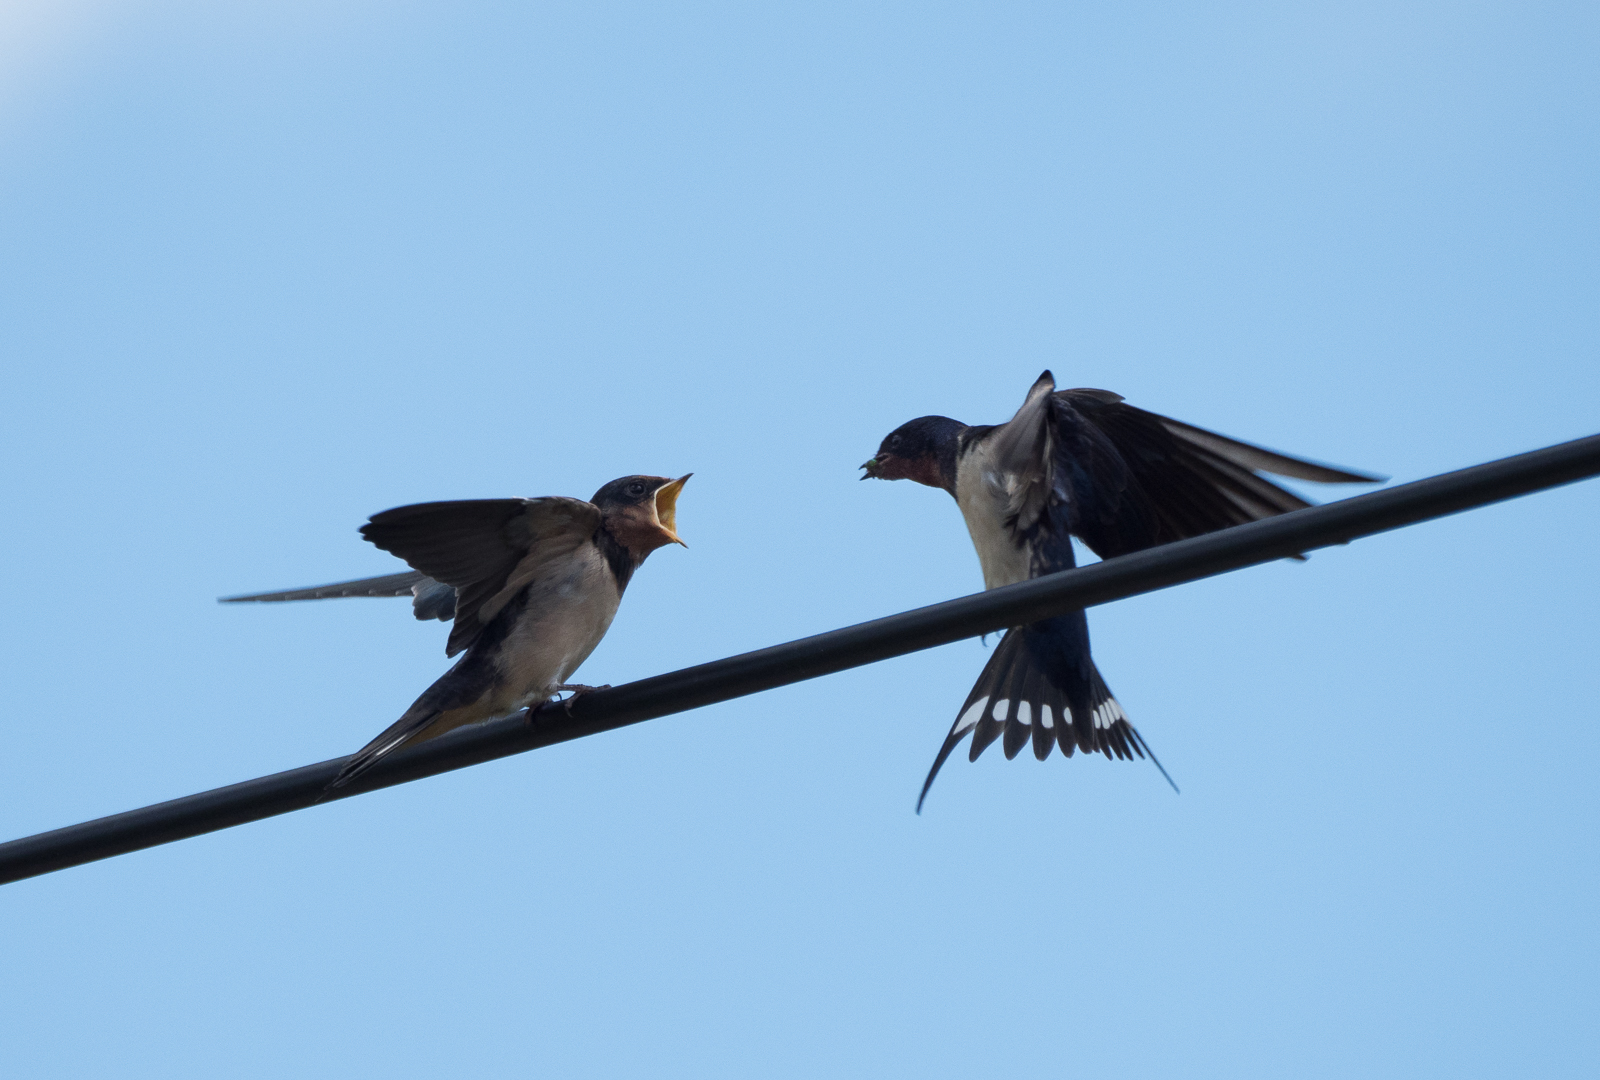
576, 690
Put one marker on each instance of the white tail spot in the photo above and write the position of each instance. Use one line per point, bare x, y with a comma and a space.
1024, 713
970, 717
1002, 708
1046, 721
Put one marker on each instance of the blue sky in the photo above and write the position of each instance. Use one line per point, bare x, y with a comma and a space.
268, 271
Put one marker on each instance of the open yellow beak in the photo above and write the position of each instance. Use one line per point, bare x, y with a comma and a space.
667, 506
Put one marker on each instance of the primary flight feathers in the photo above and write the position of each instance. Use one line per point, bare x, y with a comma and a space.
486, 549
531, 584
1076, 463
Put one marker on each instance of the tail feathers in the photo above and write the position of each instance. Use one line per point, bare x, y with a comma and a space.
403, 584
995, 717
430, 599
417, 719
1114, 725
1018, 703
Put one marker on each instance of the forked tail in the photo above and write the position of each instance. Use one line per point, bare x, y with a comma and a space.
1016, 700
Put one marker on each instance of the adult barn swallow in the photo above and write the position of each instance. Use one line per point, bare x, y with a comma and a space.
532, 586
1076, 463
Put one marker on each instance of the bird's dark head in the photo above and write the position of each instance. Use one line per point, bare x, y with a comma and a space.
923, 450
641, 512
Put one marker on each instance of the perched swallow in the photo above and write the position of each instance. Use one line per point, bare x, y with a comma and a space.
1076, 463
532, 586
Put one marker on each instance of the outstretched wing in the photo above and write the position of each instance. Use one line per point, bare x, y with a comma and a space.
1020, 452
1152, 480
486, 549
430, 599
1083, 463
1058, 475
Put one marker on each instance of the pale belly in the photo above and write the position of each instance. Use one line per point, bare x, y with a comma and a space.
983, 497
563, 622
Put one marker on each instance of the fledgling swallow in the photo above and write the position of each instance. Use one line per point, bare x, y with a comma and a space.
1076, 463
532, 586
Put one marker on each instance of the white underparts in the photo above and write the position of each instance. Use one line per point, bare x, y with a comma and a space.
984, 498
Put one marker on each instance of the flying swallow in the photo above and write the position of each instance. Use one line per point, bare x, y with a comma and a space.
1076, 463
531, 584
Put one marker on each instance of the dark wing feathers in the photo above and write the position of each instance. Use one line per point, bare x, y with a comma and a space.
487, 549
471, 556
1260, 459
1020, 448
1096, 495
1166, 480
458, 542
1085, 463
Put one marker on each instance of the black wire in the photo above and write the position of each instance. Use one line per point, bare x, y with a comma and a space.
823, 654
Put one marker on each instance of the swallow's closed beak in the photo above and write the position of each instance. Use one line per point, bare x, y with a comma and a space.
667, 506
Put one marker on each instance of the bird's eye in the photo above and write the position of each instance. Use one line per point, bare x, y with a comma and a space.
636, 488
894, 441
